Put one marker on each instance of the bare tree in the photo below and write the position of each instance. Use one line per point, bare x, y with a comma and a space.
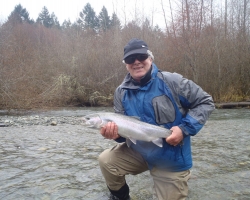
165, 18
188, 15
244, 18
225, 21
211, 13
172, 18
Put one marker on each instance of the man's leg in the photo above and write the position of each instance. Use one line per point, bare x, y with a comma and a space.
117, 162
170, 185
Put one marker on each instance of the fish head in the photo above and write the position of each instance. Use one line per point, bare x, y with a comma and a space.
93, 121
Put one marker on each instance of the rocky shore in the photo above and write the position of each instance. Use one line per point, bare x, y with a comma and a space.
233, 105
73, 117
19, 121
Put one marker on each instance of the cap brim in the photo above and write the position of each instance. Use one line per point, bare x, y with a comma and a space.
136, 51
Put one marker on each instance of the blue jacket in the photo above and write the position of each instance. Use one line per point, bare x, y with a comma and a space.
165, 99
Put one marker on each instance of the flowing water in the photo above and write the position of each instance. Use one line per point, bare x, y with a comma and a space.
50, 155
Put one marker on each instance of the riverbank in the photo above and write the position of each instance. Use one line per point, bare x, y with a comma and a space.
15, 117
232, 105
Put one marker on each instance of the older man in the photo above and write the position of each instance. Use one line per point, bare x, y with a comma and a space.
159, 98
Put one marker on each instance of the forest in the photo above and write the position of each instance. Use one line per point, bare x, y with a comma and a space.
47, 64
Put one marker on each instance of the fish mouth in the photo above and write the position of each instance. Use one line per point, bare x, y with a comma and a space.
84, 120
92, 120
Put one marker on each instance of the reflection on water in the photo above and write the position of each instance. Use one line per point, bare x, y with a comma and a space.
60, 162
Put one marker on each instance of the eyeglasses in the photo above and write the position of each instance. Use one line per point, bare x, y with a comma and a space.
131, 59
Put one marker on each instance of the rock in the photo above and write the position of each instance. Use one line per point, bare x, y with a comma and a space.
53, 123
43, 149
8, 121
3, 125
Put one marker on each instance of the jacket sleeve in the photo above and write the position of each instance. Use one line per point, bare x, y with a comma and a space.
197, 103
118, 95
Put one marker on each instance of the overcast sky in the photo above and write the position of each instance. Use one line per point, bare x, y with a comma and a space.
70, 9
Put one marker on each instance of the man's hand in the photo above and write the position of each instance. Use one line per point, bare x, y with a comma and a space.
110, 131
176, 137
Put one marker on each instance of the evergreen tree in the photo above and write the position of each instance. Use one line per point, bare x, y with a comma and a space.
115, 22
104, 19
44, 18
20, 15
88, 19
66, 24
146, 24
55, 22
157, 28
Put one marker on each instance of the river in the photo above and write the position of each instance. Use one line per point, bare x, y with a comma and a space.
49, 155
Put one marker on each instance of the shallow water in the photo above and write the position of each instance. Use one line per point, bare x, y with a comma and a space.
40, 161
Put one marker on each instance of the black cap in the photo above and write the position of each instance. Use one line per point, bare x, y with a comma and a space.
135, 46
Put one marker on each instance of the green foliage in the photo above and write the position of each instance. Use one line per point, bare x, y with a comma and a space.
66, 24
104, 19
115, 22
55, 21
44, 18
20, 15
48, 20
88, 18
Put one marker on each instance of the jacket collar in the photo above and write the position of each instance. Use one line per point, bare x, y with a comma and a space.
130, 83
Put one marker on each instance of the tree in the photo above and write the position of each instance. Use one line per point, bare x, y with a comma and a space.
66, 24
20, 15
165, 18
244, 18
146, 24
55, 22
104, 19
226, 18
88, 19
44, 18
115, 22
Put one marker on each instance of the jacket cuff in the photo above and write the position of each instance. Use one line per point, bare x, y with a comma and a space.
184, 131
120, 139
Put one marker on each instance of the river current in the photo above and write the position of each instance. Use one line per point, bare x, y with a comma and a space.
51, 155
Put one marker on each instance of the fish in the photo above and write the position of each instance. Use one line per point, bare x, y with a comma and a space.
129, 127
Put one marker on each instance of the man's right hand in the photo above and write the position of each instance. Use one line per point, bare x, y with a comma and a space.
110, 131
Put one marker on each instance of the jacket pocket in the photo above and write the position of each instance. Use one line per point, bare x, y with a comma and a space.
163, 109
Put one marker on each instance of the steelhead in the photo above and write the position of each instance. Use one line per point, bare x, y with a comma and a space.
130, 128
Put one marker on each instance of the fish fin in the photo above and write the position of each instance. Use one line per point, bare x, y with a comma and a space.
136, 117
158, 142
132, 140
128, 142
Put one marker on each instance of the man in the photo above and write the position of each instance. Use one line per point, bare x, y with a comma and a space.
159, 98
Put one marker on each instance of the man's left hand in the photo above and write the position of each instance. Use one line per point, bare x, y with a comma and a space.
176, 137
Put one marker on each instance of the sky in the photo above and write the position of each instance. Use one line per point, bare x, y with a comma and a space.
70, 9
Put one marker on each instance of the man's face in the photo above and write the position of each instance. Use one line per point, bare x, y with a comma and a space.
138, 69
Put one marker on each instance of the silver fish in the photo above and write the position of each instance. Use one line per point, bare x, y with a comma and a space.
130, 128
